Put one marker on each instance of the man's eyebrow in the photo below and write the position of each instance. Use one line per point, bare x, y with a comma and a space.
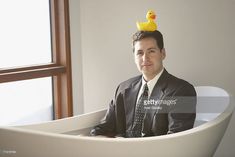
139, 50
152, 48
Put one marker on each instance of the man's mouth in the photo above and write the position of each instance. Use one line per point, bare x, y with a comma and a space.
147, 64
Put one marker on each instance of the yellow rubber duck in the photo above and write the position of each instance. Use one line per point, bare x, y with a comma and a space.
150, 25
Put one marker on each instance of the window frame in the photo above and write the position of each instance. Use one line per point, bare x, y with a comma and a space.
59, 69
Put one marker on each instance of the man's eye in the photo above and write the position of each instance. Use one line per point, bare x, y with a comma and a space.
139, 53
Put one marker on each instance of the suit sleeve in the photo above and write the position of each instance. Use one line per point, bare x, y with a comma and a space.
181, 115
107, 126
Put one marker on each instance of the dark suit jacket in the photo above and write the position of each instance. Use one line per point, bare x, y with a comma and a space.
163, 120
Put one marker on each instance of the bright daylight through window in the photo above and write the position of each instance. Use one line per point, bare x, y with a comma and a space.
25, 40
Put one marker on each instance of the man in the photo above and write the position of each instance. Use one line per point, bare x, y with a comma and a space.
154, 103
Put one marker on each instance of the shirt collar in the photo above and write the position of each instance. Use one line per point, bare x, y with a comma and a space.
151, 83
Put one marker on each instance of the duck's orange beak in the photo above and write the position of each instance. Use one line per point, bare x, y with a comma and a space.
153, 16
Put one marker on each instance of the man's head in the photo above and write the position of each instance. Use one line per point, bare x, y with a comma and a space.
149, 52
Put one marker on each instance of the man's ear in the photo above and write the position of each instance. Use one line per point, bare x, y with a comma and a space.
163, 51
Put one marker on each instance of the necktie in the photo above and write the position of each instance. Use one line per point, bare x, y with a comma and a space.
139, 113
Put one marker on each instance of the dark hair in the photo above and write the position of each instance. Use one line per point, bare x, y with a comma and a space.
147, 34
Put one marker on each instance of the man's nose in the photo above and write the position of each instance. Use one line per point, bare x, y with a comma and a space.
145, 56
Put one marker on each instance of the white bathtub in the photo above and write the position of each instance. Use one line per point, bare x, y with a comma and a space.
68, 137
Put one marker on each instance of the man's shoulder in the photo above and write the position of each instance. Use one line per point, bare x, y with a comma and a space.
130, 82
178, 83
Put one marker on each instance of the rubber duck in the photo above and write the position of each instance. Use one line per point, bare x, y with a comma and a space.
150, 25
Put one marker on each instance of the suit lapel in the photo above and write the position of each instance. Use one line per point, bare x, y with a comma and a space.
130, 101
160, 86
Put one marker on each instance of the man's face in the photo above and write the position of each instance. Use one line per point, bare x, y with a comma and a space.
148, 57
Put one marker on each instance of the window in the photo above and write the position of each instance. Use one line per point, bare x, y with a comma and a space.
27, 101
25, 31
41, 58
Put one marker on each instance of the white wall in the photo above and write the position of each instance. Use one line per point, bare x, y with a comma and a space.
199, 40
76, 55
